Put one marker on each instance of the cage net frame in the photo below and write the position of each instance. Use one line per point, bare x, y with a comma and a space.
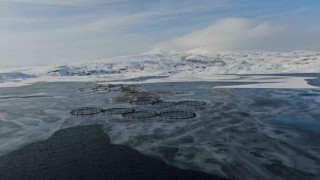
86, 89
86, 111
129, 90
140, 114
103, 88
108, 88
163, 104
95, 89
144, 100
192, 103
146, 94
177, 114
122, 99
100, 90
118, 110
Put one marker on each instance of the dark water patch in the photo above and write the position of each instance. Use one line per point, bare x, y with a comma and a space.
297, 124
168, 153
269, 102
288, 172
189, 156
85, 152
234, 171
316, 116
309, 94
187, 139
276, 131
257, 154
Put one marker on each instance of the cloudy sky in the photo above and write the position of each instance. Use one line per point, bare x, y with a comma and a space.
41, 32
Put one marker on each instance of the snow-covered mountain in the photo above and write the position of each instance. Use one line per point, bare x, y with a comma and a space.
172, 63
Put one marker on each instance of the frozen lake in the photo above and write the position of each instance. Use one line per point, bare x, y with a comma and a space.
241, 133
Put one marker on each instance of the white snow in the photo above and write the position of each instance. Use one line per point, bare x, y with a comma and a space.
183, 66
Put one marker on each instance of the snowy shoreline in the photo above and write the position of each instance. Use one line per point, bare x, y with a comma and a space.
180, 66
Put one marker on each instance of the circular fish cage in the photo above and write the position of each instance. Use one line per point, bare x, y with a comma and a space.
86, 111
177, 114
114, 87
142, 114
86, 90
96, 89
146, 94
122, 99
144, 100
163, 104
108, 87
100, 89
191, 103
118, 110
128, 90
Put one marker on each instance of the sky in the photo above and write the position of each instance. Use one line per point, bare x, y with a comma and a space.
45, 32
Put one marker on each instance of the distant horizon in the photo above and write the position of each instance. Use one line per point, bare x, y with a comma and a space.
37, 33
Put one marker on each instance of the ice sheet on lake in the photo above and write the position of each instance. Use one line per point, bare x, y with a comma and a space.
246, 134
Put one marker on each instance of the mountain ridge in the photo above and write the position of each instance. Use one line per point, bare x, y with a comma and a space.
170, 63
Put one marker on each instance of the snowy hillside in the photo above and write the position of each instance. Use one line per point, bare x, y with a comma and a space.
173, 63
14, 77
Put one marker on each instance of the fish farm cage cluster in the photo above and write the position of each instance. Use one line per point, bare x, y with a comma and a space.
131, 113
140, 114
139, 98
103, 88
122, 99
86, 111
177, 114
145, 100
118, 110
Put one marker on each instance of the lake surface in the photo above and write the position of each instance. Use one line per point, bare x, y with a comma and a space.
241, 133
